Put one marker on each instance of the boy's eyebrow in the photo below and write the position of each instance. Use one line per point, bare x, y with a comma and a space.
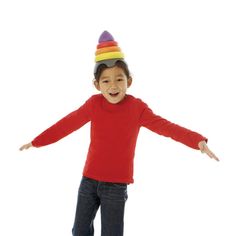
119, 75
104, 77
107, 77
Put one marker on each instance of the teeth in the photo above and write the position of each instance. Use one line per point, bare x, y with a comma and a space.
113, 94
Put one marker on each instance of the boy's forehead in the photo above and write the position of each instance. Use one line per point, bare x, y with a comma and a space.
112, 70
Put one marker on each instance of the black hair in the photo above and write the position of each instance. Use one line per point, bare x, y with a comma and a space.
120, 64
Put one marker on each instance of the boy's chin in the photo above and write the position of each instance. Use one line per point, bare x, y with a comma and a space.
114, 100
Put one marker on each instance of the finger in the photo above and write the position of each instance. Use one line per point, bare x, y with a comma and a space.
212, 155
25, 146
215, 157
207, 150
204, 149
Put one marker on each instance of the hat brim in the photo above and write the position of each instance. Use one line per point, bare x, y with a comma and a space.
109, 63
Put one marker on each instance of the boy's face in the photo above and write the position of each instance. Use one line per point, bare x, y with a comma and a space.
113, 84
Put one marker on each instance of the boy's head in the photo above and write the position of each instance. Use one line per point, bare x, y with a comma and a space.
112, 76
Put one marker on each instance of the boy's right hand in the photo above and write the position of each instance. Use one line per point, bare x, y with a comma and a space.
26, 146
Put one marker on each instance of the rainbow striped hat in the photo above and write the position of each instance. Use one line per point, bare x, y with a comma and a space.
108, 51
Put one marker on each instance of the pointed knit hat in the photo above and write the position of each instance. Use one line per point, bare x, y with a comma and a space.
108, 52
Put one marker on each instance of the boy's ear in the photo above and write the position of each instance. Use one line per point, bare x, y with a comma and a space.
129, 82
96, 84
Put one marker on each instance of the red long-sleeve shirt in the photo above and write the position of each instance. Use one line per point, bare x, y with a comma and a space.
114, 132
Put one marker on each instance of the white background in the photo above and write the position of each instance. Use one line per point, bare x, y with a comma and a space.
182, 58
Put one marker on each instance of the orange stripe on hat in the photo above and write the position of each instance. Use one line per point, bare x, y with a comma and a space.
107, 49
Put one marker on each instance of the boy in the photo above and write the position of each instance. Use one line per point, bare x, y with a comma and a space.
115, 122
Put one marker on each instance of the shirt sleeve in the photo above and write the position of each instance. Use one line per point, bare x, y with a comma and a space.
166, 128
65, 126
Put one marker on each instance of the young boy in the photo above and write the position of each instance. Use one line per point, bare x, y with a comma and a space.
116, 118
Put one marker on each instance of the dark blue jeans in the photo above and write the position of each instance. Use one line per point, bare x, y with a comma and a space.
111, 197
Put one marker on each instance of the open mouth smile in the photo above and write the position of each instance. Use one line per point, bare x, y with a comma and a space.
114, 94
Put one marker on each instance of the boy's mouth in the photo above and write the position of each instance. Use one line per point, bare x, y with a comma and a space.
114, 94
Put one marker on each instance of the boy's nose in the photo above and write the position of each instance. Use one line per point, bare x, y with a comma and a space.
113, 84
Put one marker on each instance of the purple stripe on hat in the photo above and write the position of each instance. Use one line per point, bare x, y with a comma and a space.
105, 36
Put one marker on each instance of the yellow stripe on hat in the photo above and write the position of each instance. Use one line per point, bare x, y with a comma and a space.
109, 55
107, 49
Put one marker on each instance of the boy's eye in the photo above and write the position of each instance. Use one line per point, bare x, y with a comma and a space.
105, 81
120, 79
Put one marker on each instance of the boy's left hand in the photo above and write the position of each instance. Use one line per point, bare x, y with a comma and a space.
204, 149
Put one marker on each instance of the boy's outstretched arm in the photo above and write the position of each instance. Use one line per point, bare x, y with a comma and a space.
166, 128
204, 149
63, 127
26, 146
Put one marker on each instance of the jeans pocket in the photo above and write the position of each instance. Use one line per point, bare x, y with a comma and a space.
87, 187
115, 191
